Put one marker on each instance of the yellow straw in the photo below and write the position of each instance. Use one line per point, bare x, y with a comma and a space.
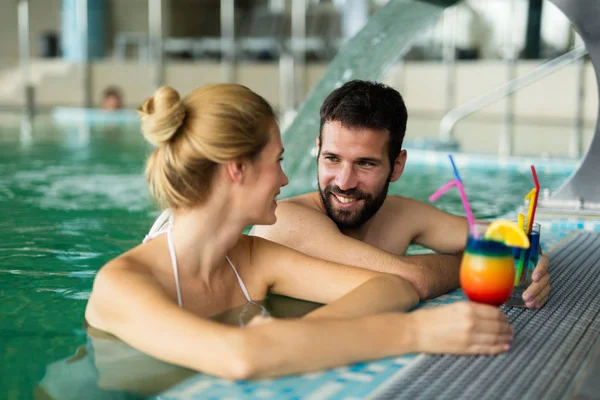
521, 221
530, 197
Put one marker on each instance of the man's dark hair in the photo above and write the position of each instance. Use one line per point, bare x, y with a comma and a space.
363, 104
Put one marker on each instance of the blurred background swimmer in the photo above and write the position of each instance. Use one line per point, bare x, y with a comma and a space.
112, 99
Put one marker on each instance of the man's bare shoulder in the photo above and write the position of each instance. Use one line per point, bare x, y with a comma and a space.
400, 204
417, 208
305, 205
294, 216
309, 200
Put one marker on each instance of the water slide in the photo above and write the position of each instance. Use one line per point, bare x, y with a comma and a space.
369, 55
581, 192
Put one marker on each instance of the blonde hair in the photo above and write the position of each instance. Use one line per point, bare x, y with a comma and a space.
212, 125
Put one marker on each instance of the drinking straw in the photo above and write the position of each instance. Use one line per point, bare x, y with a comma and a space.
532, 197
529, 198
521, 221
520, 266
463, 196
535, 200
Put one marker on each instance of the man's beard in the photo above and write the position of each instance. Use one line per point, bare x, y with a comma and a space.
352, 219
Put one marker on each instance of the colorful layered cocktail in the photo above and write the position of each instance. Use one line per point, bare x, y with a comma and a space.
487, 270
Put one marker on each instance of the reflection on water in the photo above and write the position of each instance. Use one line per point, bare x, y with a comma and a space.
107, 368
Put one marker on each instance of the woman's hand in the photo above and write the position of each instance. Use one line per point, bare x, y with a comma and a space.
463, 328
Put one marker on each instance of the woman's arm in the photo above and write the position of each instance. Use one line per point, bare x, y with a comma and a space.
131, 306
305, 345
347, 291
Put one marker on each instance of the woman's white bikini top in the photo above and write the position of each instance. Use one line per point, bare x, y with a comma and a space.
159, 228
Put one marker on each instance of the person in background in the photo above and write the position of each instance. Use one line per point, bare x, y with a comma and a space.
112, 99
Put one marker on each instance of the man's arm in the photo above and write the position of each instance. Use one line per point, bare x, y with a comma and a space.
311, 232
346, 291
442, 232
440, 272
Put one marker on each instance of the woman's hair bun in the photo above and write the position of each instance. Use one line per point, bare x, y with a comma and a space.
162, 115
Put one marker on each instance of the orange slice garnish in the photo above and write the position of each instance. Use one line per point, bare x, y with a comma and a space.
508, 233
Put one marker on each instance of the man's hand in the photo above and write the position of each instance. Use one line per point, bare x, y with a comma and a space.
537, 293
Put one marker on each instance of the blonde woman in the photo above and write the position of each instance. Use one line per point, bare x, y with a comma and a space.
217, 165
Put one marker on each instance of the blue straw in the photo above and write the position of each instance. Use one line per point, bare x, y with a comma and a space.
454, 168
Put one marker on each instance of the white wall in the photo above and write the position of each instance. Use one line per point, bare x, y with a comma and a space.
544, 111
422, 84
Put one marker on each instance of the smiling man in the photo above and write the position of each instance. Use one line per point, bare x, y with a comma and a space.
352, 220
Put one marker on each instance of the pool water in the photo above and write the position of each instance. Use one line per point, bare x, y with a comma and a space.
73, 198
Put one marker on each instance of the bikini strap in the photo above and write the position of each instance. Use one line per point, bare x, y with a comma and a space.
239, 278
263, 311
158, 228
174, 264
151, 236
164, 217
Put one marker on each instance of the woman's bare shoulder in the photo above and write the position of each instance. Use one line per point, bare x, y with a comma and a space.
114, 282
133, 262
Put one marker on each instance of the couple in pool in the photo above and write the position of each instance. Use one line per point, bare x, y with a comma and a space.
217, 166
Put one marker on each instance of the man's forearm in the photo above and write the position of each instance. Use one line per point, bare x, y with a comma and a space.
431, 274
440, 273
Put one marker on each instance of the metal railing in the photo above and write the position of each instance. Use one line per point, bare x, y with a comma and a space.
450, 120
155, 26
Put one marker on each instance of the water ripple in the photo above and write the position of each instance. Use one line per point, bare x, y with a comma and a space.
69, 274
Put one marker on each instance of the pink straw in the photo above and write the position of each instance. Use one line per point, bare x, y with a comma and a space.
461, 191
535, 199
463, 197
442, 190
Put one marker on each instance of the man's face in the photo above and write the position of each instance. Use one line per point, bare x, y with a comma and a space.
354, 172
